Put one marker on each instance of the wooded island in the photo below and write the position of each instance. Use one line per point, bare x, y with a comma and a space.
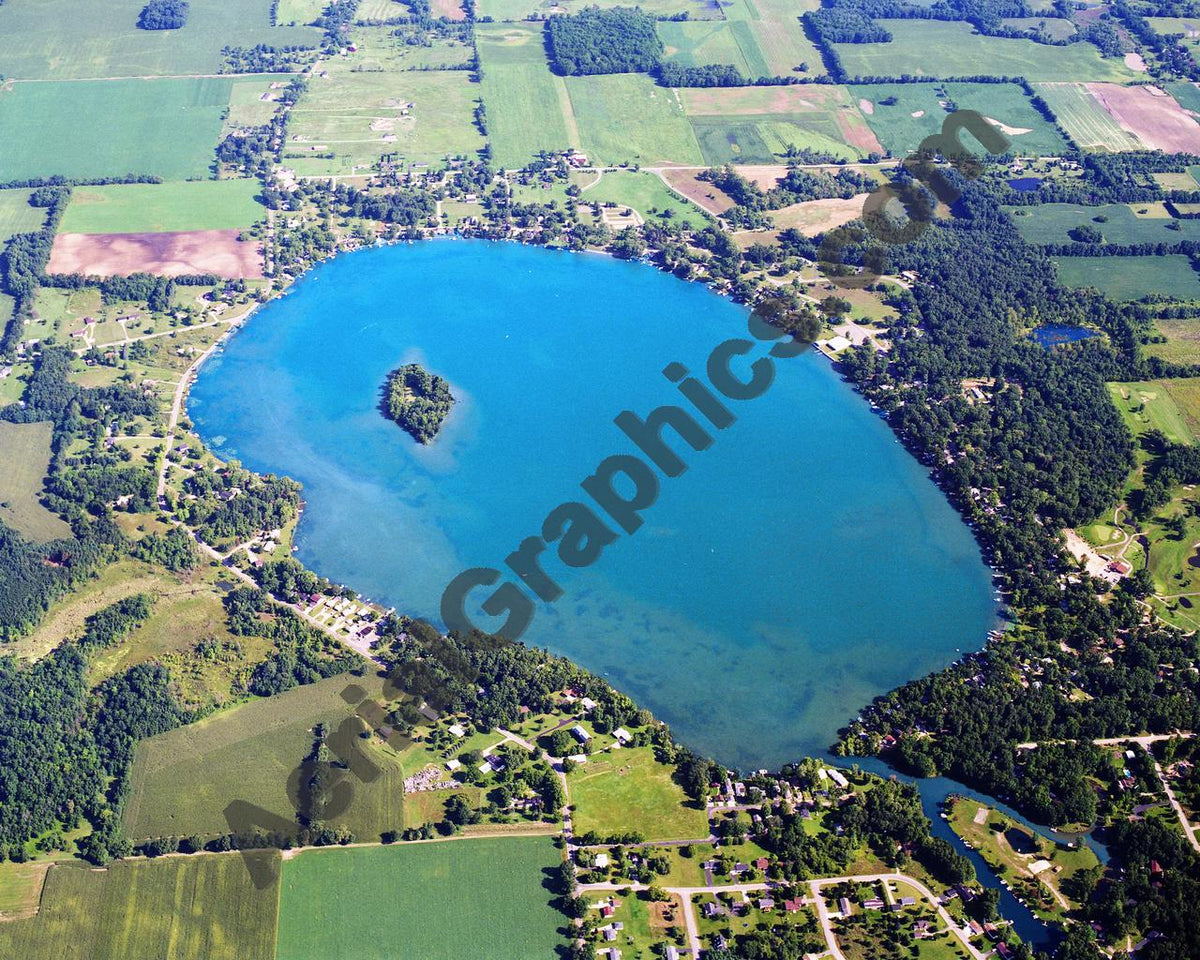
417, 400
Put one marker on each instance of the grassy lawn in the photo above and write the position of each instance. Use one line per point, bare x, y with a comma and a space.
643, 192
165, 127
626, 117
181, 908
349, 119
24, 459
528, 108
1052, 223
1082, 116
628, 790
1149, 405
935, 48
1132, 278
486, 899
182, 780
1010, 848
59, 39
163, 207
919, 109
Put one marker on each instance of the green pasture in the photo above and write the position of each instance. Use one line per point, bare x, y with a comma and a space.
487, 899
181, 908
1052, 223
1082, 116
914, 111
298, 13
937, 48
742, 139
348, 120
622, 790
61, 39
24, 460
626, 117
181, 781
163, 207
1182, 344
95, 129
1132, 278
528, 108
1050, 28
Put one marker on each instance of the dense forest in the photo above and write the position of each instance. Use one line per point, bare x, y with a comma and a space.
163, 15
617, 40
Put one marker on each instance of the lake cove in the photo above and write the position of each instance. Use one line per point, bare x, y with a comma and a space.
802, 564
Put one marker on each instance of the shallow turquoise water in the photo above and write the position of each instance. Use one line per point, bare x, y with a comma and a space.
803, 564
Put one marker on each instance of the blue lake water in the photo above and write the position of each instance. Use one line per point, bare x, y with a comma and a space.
803, 564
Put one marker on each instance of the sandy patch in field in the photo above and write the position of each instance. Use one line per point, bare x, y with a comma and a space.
450, 9
917, 113
1006, 129
867, 107
816, 216
163, 254
764, 176
1134, 61
1150, 114
700, 192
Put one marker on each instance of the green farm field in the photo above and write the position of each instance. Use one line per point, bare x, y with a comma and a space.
181, 908
919, 109
694, 43
1132, 278
758, 124
163, 207
1051, 223
517, 10
623, 790
626, 117
1082, 116
24, 460
773, 29
935, 48
528, 108
61, 40
1182, 344
111, 128
349, 119
182, 780
487, 899
17, 216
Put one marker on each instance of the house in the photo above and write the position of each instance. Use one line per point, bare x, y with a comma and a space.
580, 734
794, 906
672, 952
622, 735
873, 904
766, 903
907, 901
921, 929
601, 861
844, 907
452, 765
610, 933
761, 863
836, 777
458, 730
588, 704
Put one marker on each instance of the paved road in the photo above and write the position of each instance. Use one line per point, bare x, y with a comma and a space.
827, 921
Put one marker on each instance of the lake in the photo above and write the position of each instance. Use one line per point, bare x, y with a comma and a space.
803, 563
